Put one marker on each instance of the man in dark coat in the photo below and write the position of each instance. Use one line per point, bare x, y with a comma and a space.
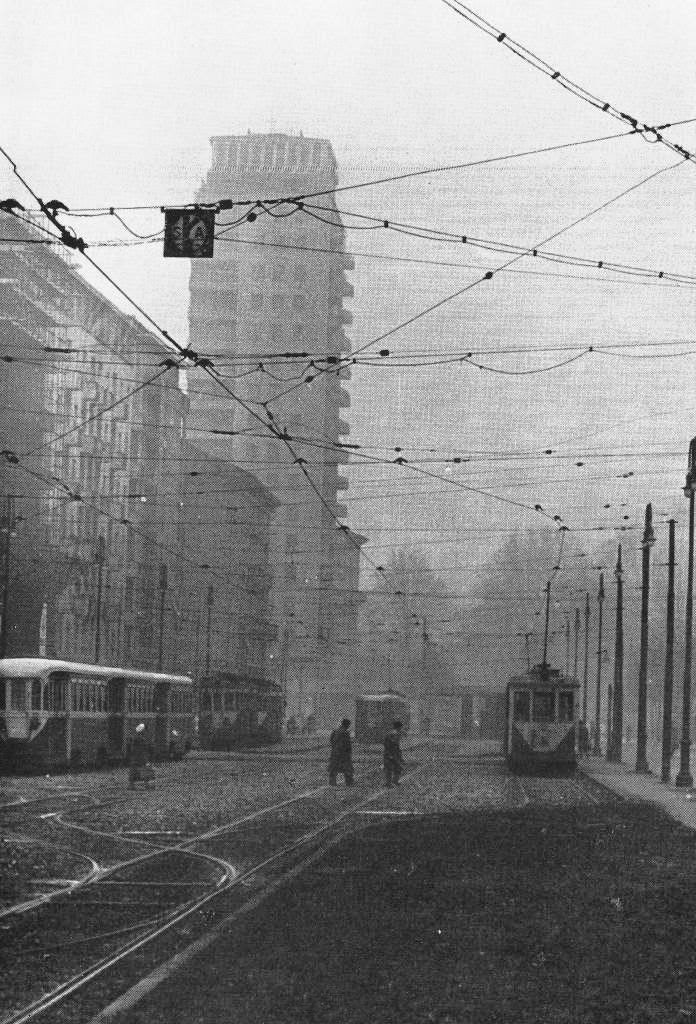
393, 761
341, 758
139, 757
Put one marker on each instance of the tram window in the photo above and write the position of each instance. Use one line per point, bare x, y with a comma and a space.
543, 705
18, 697
36, 695
565, 707
520, 709
56, 697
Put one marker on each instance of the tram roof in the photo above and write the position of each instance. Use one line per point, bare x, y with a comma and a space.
27, 667
389, 695
547, 680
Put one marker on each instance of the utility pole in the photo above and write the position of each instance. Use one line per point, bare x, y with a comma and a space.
577, 638
7, 529
544, 665
100, 584
567, 635
587, 656
669, 662
647, 542
207, 632
598, 695
163, 591
616, 742
684, 778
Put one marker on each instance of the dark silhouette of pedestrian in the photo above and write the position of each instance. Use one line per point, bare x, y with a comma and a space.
393, 760
140, 770
341, 758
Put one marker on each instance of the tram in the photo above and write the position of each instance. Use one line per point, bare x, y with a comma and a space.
55, 714
237, 710
375, 714
542, 722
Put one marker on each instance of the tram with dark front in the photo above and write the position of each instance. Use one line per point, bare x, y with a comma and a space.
542, 722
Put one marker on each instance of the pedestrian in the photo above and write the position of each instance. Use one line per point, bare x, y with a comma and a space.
583, 739
341, 758
393, 761
139, 757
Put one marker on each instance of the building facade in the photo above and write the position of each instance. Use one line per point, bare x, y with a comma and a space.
107, 552
269, 302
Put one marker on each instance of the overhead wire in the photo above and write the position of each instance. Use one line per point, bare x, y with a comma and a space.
489, 274
579, 91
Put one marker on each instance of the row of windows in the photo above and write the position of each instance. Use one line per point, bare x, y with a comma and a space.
141, 698
181, 702
86, 697
543, 708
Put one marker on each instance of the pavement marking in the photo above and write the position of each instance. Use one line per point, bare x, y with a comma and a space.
410, 814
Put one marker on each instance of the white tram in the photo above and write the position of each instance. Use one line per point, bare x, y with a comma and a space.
59, 713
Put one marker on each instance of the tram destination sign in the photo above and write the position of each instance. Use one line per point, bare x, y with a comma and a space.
189, 233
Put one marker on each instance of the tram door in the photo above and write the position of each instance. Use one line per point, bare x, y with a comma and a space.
116, 727
161, 707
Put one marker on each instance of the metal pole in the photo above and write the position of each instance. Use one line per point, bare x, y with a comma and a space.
598, 695
684, 778
587, 656
526, 644
617, 717
8, 524
207, 633
642, 731
577, 638
669, 663
100, 583
163, 591
546, 627
567, 633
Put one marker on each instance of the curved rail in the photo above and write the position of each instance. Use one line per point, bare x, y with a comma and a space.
178, 916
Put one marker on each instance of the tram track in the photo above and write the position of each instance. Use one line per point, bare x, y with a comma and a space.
196, 913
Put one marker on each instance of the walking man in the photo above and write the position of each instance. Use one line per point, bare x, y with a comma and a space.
140, 770
341, 758
393, 761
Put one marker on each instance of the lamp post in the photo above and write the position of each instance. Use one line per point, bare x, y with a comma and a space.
684, 778
642, 731
577, 638
616, 748
598, 695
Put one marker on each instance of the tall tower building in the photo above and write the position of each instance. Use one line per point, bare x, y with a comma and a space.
270, 301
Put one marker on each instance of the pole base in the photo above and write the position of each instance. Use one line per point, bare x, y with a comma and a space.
684, 780
643, 768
